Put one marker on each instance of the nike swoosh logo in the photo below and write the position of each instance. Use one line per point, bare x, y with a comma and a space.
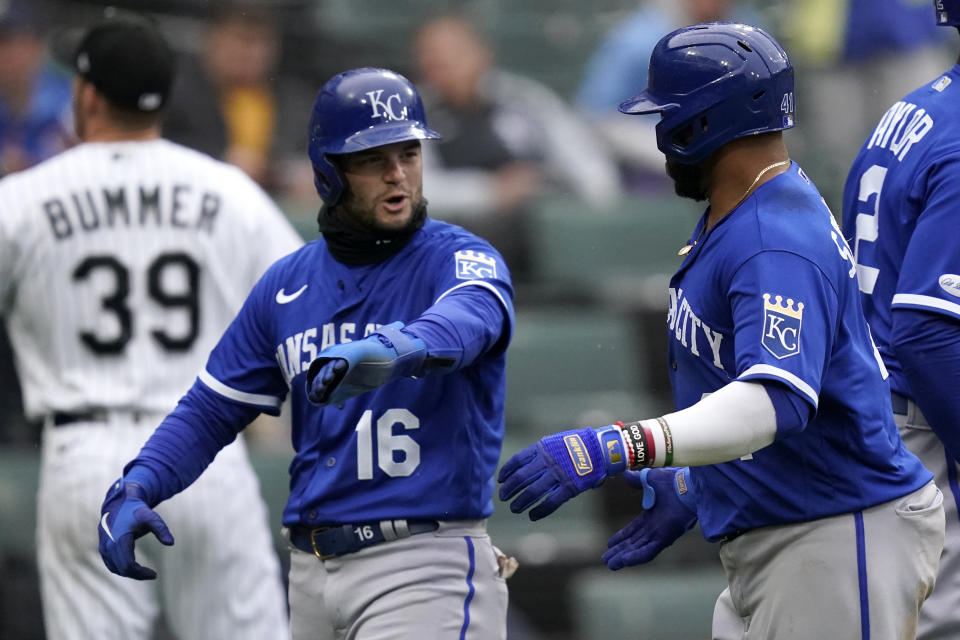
283, 298
103, 523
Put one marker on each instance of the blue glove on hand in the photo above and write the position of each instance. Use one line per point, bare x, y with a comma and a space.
125, 518
670, 510
346, 370
560, 466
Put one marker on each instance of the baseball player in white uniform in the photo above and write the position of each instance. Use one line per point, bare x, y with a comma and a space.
122, 260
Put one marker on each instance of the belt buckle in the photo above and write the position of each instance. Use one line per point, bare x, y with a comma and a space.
313, 543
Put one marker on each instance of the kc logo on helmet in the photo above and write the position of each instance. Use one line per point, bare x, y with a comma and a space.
781, 326
385, 108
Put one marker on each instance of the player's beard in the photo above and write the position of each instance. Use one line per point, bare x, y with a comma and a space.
361, 217
689, 180
352, 242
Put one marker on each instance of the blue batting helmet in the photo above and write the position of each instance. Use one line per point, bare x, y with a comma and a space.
713, 83
361, 109
948, 12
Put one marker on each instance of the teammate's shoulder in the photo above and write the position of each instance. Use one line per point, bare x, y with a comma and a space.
943, 89
439, 232
41, 176
788, 213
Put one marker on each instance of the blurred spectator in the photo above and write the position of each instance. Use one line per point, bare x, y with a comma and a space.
35, 123
854, 59
231, 103
35, 115
507, 140
617, 70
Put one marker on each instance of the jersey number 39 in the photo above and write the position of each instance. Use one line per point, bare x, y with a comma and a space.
116, 301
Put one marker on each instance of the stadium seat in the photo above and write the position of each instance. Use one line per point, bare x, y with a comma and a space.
640, 603
622, 253
570, 367
19, 479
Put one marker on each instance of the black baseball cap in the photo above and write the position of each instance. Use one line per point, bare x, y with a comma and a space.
125, 57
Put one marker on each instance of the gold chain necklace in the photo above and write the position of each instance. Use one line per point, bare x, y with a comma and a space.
685, 249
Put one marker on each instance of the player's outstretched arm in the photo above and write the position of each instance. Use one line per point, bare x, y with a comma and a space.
669, 511
125, 516
347, 370
740, 418
561, 466
467, 323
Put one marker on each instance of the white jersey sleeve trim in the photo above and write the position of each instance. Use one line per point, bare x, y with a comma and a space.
929, 302
479, 283
786, 376
240, 396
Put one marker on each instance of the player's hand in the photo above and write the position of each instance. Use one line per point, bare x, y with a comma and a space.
124, 518
559, 467
347, 370
669, 512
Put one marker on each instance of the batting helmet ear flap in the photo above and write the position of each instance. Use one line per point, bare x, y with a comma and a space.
328, 180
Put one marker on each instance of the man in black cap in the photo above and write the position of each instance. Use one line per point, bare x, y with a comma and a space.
122, 260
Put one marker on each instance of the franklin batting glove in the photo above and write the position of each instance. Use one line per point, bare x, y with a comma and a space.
347, 370
559, 467
670, 510
125, 517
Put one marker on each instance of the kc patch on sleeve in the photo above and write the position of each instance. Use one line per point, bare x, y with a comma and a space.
472, 265
781, 326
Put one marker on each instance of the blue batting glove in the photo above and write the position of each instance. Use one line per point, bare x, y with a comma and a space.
346, 370
670, 510
559, 467
126, 517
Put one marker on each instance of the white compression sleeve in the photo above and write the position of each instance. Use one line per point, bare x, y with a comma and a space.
737, 419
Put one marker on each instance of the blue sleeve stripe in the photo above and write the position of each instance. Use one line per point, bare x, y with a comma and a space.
239, 396
479, 283
927, 302
766, 370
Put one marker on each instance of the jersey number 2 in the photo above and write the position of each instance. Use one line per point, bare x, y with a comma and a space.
115, 302
868, 225
397, 455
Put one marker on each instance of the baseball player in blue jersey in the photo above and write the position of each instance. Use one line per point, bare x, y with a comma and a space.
392, 477
900, 217
783, 445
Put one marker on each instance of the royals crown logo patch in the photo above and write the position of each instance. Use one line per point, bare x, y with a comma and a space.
781, 326
473, 265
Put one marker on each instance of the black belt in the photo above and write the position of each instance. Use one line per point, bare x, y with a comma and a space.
63, 418
899, 403
334, 540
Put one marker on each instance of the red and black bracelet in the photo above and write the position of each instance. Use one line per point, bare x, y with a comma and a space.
642, 450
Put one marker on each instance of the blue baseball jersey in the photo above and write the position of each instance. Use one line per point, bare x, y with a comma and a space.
901, 211
409, 449
770, 294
